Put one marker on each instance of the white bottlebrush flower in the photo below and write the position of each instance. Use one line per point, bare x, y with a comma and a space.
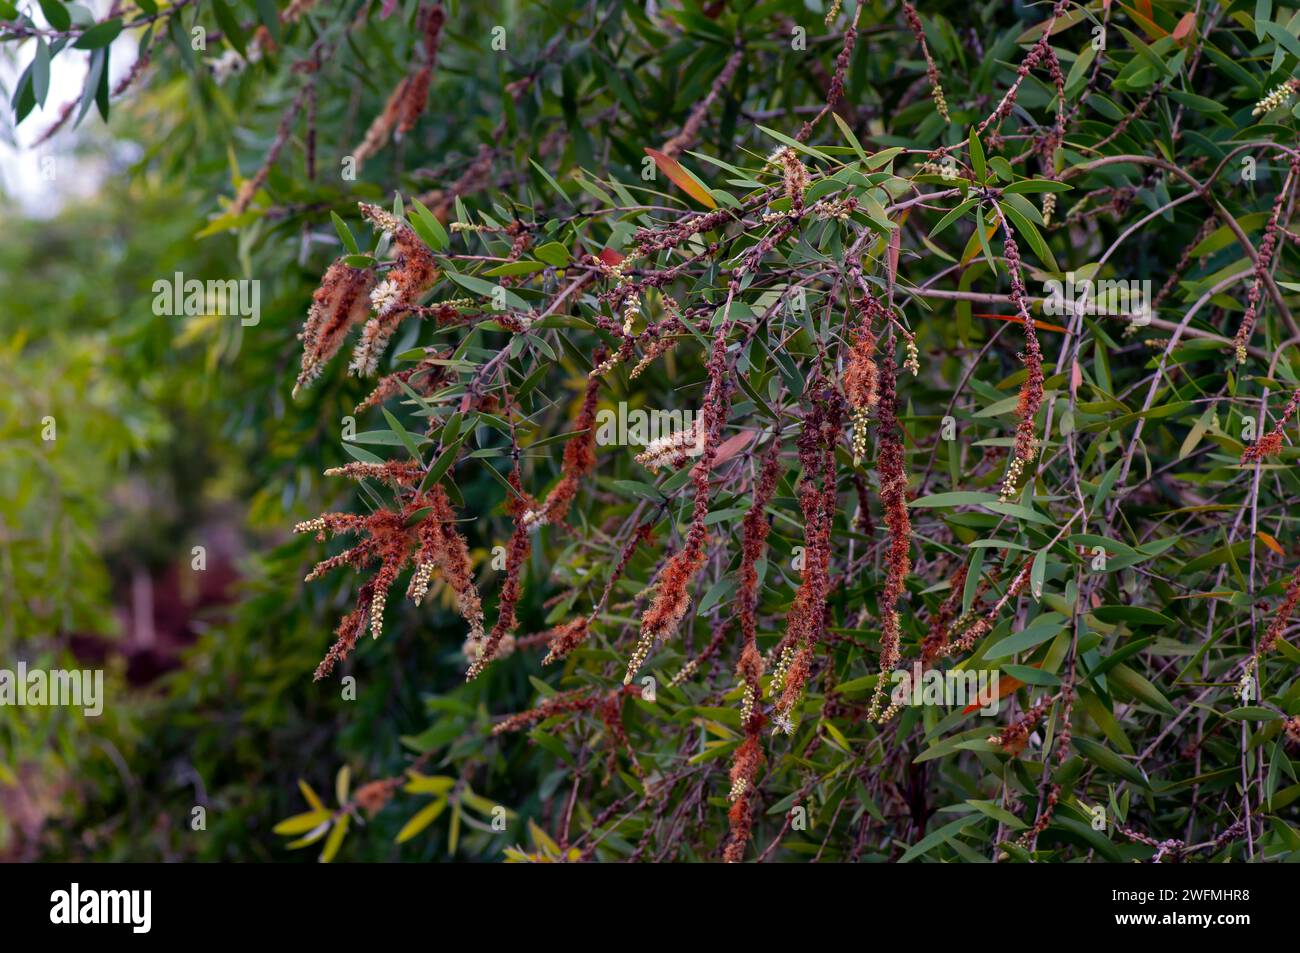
230, 63
385, 296
1277, 97
672, 449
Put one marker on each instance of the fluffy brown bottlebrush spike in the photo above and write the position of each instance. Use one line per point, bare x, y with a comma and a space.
978, 628
400, 107
931, 71
861, 376
1282, 616
413, 272
374, 796
346, 635
816, 444
582, 699
795, 177
862, 521
1013, 738
412, 101
745, 765
1031, 391
579, 460
341, 301
395, 472
672, 600
1263, 261
611, 716
669, 606
444, 549
671, 451
565, 638
567, 703
421, 531
892, 473
1293, 731
835, 88
943, 619
691, 128
517, 552
754, 530
408, 99
1270, 445
1035, 56
648, 241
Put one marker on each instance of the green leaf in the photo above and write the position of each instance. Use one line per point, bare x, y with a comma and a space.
56, 14
421, 819
443, 463
1131, 615
1131, 683
977, 157
957, 498
555, 185
1289, 42
407, 440
98, 62
516, 268
99, 35
335, 840
428, 227
848, 134
1045, 627
932, 840
1108, 760
301, 823
345, 234
1031, 676
953, 216
1025, 186
794, 144
1252, 713
41, 71
989, 809
553, 253
230, 27
1031, 234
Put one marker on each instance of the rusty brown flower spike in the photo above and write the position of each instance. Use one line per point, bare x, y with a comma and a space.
1264, 262
1031, 391
408, 99
579, 460
518, 505
819, 435
1282, 616
420, 532
748, 758
891, 469
413, 272
861, 379
341, 302
932, 71
673, 597
1270, 445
